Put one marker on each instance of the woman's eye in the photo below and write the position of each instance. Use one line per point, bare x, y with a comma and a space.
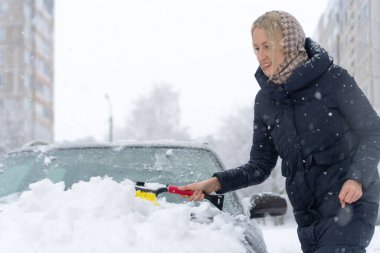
256, 49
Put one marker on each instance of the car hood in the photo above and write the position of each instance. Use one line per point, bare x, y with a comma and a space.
105, 216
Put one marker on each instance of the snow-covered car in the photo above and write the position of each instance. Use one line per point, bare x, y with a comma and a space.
166, 163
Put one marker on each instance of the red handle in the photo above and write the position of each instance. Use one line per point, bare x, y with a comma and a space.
174, 189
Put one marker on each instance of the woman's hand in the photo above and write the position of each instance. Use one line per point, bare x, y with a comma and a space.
200, 188
351, 192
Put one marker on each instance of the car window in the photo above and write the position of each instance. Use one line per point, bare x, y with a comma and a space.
164, 165
12, 179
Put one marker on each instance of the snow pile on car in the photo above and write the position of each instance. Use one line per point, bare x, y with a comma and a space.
105, 216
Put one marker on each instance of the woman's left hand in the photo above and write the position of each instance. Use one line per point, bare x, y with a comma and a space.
351, 192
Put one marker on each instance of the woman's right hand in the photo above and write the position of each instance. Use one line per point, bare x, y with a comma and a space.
201, 188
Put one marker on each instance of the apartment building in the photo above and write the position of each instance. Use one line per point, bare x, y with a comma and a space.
349, 31
26, 71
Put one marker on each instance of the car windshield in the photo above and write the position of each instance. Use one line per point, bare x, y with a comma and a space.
164, 165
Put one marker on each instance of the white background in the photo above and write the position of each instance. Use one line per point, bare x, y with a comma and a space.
123, 48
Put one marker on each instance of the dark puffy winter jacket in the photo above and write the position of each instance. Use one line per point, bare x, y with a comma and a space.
321, 125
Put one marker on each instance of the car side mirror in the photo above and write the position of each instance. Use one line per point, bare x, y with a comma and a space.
267, 204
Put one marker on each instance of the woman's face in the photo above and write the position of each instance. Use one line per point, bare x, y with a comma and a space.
269, 57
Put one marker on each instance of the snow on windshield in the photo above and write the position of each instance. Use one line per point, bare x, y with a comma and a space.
105, 216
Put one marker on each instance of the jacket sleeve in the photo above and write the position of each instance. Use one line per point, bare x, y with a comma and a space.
263, 158
365, 122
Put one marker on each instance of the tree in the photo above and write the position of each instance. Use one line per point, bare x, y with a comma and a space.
156, 116
234, 137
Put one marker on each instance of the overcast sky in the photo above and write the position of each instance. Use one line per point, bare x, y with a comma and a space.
124, 47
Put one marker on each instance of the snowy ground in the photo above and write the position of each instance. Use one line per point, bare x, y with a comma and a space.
284, 239
104, 216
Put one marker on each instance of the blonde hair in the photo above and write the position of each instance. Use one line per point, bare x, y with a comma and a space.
270, 22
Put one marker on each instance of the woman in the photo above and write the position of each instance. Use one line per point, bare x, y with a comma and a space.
313, 115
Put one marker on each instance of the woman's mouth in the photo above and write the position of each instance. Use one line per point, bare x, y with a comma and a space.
266, 66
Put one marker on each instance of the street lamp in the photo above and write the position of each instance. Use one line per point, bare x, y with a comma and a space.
110, 118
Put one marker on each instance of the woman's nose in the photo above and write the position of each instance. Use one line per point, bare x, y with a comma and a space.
261, 55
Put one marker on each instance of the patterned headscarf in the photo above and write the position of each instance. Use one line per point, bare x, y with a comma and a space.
293, 42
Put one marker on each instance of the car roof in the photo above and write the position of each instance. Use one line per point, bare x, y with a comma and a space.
33, 146
40, 146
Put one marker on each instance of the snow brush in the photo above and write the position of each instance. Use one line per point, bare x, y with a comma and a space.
150, 193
